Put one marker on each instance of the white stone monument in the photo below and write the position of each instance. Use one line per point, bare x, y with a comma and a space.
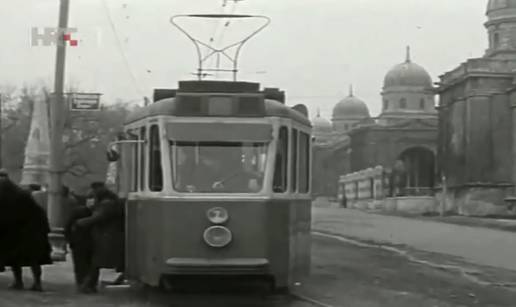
37, 149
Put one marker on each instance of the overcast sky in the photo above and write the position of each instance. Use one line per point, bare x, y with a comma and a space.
312, 49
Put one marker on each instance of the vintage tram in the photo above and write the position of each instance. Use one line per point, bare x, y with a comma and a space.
217, 180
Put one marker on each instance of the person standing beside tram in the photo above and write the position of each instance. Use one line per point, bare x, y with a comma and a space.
24, 230
107, 232
80, 242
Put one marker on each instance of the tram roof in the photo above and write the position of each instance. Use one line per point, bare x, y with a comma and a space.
168, 107
207, 98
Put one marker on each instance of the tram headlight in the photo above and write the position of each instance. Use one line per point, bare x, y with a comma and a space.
217, 236
217, 215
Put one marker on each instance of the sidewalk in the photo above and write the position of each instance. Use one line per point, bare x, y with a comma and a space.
480, 245
504, 224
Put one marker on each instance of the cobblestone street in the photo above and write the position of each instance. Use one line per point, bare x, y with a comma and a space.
344, 273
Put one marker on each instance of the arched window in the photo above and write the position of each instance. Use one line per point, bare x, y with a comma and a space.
385, 104
496, 40
422, 103
403, 103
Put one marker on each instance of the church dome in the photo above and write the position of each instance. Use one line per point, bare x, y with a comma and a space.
350, 107
321, 125
407, 74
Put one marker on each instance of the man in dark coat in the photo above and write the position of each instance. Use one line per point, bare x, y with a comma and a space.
107, 230
4, 224
39, 195
81, 243
24, 230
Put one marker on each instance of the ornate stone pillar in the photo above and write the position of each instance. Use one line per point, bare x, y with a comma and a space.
513, 136
511, 200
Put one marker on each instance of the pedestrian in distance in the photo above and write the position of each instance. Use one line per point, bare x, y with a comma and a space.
24, 230
344, 201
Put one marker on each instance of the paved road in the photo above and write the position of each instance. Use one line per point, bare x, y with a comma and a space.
343, 274
478, 245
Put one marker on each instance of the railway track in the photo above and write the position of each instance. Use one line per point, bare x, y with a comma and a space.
311, 301
289, 300
156, 297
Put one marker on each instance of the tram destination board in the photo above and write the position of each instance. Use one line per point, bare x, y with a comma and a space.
85, 102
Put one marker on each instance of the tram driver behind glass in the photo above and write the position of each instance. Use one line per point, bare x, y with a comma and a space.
219, 167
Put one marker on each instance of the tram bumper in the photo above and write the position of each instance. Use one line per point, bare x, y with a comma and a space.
226, 266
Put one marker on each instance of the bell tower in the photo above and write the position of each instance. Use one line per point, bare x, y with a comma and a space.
501, 29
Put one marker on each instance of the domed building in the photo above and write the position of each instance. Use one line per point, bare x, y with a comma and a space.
407, 93
348, 113
322, 129
476, 111
404, 133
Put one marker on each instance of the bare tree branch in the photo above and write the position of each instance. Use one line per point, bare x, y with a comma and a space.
8, 127
77, 167
84, 140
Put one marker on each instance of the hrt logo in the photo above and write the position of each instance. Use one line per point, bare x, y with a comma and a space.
50, 36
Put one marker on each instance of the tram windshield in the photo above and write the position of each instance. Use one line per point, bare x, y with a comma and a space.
218, 167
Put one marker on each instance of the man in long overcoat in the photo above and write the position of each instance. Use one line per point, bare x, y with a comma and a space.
24, 230
107, 230
81, 243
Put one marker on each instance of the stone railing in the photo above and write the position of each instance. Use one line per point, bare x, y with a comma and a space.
371, 183
417, 191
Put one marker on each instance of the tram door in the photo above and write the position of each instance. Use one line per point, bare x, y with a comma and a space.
125, 166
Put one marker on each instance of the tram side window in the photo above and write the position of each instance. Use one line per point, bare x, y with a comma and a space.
142, 158
281, 166
134, 164
304, 162
293, 155
155, 169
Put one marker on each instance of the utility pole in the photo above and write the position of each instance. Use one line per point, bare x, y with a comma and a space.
55, 210
444, 195
1, 130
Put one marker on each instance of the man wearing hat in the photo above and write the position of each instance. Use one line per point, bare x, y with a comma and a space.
4, 175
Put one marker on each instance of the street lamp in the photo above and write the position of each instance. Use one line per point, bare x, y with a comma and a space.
55, 210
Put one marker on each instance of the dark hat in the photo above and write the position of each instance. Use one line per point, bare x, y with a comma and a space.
97, 185
35, 187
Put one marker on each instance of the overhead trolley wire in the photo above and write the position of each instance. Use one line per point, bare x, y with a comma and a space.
120, 48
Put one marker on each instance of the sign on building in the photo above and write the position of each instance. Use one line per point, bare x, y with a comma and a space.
85, 102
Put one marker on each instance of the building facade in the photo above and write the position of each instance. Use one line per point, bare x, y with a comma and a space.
405, 132
477, 142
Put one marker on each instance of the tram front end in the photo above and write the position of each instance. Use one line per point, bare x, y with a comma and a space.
217, 183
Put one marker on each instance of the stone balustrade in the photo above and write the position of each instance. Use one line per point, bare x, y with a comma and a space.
370, 189
368, 184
